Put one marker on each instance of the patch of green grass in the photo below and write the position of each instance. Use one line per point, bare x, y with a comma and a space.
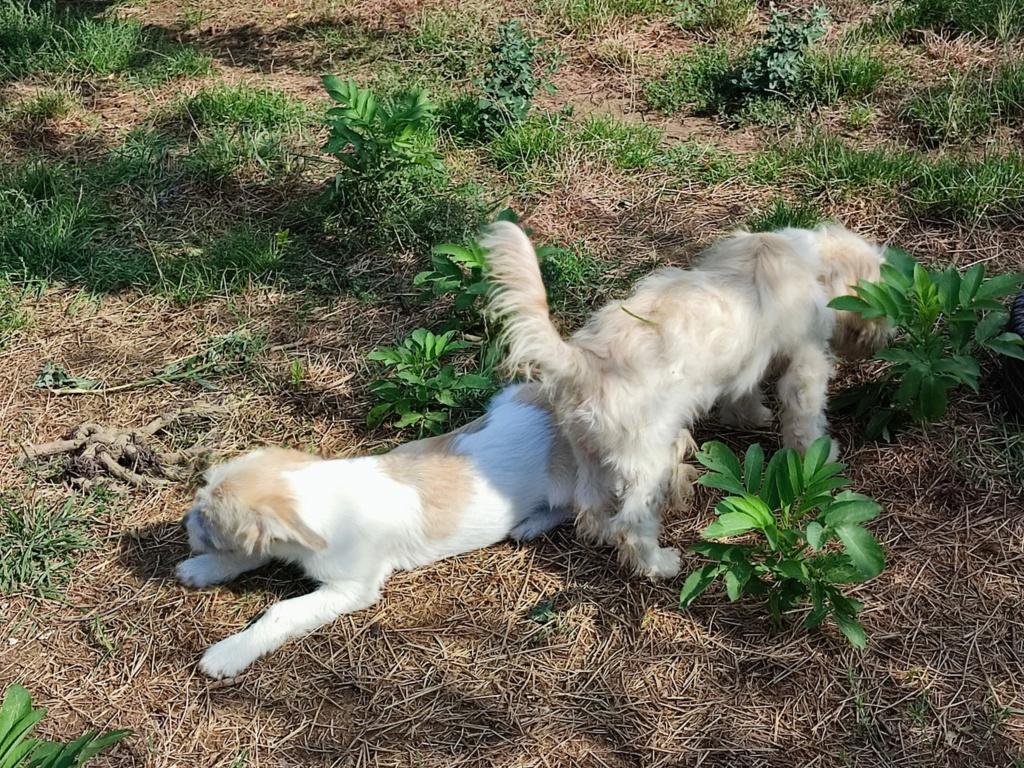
47, 104
626, 147
539, 141
12, 316
226, 265
243, 106
715, 15
991, 187
40, 37
968, 105
999, 19
693, 161
844, 74
453, 42
784, 214
572, 276
40, 541
241, 131
590, 16
764, 110
693, 83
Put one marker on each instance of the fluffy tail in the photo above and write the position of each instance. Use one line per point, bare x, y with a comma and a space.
521, 301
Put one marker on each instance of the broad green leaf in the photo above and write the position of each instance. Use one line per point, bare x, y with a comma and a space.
901, 261
922, 282
696, 583
972, 280
850, 304
852, 628
722, 482
815, 535
991, 324
736, 579
791, 478
747, 505
719, 457
1008, 344
792, 569
753, 468
864, 552
730, 524
934, 398
816, 456
910, 385
949, 289
1001, 285
853, 511
377, 414
726, 553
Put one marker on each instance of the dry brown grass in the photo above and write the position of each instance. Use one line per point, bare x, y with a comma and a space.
448, 669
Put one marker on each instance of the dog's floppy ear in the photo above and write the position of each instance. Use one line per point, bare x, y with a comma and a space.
276, 520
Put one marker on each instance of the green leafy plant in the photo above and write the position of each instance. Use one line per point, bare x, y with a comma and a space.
513, 75
19, 750
458, 270
778, 64
802, 540
943, 321
373, 139
421, 385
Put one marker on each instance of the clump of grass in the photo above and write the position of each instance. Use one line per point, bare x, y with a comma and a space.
571, 276
964, 189
243, 106
781, 214
238, 130
47, 104
692, 161
624, 146
590, 16
999, 19
12, 316
539, 141
697, 82
843, 74
40, 542
228, 264
452, 40
968, 105
715, 15
40, 37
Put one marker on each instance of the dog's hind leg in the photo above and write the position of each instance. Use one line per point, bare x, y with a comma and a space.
803, 390
594, 500
638, 522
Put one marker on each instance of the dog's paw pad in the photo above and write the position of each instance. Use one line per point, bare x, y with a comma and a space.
226, 659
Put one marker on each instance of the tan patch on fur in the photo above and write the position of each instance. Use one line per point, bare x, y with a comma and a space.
257, 484
442, 482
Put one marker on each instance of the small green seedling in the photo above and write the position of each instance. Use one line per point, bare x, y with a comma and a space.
421, 386
943, 322
801, 539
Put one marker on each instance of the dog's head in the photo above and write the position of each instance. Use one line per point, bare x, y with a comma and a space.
846, 260
248, 505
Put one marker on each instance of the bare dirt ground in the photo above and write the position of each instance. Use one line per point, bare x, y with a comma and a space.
449, 669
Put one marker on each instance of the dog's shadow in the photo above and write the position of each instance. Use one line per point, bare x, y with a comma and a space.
153, 552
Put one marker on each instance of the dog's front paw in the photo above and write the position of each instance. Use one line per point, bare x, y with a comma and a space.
664, 564
199, 571
227, 658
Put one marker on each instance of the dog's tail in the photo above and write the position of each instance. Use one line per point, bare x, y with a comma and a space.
521, 301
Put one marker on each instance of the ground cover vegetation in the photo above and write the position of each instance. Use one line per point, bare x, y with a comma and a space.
262, 218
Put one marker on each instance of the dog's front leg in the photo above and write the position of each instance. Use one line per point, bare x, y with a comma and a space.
746, 412
284, 621
217, 568
803, 390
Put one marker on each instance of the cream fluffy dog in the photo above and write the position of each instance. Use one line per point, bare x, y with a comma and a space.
350, 522
641, 370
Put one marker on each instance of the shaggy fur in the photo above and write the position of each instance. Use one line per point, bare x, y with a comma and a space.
350, 522
641, 370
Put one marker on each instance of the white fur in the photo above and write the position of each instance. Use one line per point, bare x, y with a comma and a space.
643, 369
371, 524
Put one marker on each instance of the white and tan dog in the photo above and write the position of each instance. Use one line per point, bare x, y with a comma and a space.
350, 522
642, 369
